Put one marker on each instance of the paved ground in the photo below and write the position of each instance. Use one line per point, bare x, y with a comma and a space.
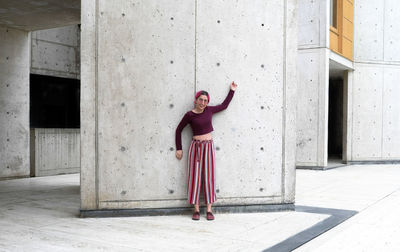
352, 208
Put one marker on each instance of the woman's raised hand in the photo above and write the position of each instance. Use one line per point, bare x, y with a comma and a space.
179, 154
233, 86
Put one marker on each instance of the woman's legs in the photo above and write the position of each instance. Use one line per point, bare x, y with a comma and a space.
197, 208
201, 164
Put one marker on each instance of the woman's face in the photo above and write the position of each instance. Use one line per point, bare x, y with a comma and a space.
201, 102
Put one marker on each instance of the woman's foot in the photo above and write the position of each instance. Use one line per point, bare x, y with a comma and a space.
196, 216
210, 216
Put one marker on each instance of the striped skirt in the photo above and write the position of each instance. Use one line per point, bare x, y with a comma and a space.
201, 166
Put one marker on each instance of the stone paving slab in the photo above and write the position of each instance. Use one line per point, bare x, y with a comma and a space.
41, 214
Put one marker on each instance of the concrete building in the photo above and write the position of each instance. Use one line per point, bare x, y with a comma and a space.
334, 64
348, 79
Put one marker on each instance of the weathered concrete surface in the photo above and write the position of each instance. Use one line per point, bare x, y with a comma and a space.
57, 151
313, 83
14, 102
375, 126
134, 95
56, 52
37, 15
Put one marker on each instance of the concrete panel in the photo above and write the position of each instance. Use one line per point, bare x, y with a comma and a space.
14, 103
36, 15
229, 33
67, 35
145, 85
55, 52
369, 30
392, 31
313, 23
54, 58
57, 151
391, 114
367, 112
307, 107
312, 105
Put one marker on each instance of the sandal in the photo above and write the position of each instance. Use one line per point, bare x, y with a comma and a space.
210, 216
196, 216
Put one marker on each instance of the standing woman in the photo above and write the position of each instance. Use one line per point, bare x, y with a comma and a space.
201, 155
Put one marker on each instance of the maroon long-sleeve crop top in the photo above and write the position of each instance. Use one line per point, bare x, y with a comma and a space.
200, 123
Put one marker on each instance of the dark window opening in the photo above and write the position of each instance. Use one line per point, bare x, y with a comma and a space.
54, 102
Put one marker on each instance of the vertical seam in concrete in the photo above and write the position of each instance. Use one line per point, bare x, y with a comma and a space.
352, 116
382, 109
319, 104
195, 47
96, 103
284, 101
383, 31
383, 74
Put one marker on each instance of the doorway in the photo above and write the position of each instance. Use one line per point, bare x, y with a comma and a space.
335, 122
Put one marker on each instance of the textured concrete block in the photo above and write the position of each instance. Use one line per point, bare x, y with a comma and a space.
391, 114
54, 57
313, 24
146, 84
56, 52
67, 35
231, 43
57, 151
369, 30
307, 107
367, 112
391, 31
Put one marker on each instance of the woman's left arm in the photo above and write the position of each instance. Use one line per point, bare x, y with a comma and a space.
225, 103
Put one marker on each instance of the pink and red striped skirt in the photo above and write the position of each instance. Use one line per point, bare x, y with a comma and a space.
201, 166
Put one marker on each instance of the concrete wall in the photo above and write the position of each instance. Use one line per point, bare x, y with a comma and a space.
142, 62
56, 52
57, 151
313, 83
14, 102
375, 126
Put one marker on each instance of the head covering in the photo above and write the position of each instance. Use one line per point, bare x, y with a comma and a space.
199, 93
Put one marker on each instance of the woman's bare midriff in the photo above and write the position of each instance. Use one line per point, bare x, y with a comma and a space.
203, 137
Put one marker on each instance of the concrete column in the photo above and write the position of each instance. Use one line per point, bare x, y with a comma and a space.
141, 64
347, 116
313, 84
14, 102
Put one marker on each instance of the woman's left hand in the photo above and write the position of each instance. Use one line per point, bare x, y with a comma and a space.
233, 86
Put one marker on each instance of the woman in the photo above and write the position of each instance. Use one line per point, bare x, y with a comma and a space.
201, 157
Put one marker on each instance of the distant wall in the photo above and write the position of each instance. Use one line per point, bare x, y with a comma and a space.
375, 126
56, 52
14, 102
57, 151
